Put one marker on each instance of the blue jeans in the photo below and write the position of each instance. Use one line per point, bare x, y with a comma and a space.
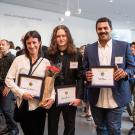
108, 121
3, 124
7, 105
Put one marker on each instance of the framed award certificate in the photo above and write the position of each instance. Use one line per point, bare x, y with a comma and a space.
65, 94
31, 84
102, 76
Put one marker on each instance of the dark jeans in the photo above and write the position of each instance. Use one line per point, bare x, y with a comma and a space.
3, 124
129, 107
108, 121
7, 105
68, 112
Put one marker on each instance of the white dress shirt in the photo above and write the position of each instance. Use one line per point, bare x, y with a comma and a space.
105, 99
21, 65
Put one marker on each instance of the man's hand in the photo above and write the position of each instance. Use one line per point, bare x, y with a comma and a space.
75, 102
5, 91
119, 74
89, 75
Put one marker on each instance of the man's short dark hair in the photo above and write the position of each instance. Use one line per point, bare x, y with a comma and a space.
133, 43
104, 19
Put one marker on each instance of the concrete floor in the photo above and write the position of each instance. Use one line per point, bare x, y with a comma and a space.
84, 127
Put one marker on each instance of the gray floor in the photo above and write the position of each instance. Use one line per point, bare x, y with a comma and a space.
84, 127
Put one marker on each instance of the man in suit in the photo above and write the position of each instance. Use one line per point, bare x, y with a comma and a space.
107, 104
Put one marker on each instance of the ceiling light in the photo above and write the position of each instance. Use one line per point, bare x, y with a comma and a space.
110, 1
67, 13
61, 19
79, 10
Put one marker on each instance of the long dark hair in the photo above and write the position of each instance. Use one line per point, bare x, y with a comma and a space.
33, 34
53, 48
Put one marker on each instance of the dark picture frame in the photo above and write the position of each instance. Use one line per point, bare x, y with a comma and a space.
103, 80
66, 92
29, 84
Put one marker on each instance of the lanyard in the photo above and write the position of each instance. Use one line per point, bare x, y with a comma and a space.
31, 72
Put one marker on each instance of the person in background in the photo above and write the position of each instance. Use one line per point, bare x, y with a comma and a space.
3, 125
21, 51
85, 101
107, 104
6, 96
63, 53
12, 48
0, 53
132, 47
31, 63
132, 87
17, 48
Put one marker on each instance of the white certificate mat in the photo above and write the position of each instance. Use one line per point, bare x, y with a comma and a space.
102, 77
65, 95
31, 84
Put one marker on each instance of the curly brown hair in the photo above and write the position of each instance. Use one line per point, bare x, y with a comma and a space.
53, 48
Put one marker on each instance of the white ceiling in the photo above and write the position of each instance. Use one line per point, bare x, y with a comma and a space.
119, 11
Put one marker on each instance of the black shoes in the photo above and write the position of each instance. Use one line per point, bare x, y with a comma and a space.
132, 131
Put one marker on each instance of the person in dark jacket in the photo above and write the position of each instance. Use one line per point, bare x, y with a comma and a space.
132, 86
6, 96
63, 53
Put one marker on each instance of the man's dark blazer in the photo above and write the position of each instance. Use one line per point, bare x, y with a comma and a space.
121, 91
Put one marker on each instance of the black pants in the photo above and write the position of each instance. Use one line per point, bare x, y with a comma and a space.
33, 122
69, 114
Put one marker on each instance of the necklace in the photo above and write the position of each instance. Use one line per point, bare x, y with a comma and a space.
61, 53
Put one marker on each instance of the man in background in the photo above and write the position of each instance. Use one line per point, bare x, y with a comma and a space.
6, 96
132, 87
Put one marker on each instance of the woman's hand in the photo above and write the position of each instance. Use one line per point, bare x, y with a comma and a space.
75, 102
27, 96
5, 91
47, 104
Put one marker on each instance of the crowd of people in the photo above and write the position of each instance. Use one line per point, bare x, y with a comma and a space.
104, 103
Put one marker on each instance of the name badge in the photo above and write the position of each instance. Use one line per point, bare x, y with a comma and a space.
118, 60
73, 65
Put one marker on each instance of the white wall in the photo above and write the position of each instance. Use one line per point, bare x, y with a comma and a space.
16, 21
122, 34
133, 35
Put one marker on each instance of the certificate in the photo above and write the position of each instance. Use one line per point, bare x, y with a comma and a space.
102, 76
31, 84
65, 94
